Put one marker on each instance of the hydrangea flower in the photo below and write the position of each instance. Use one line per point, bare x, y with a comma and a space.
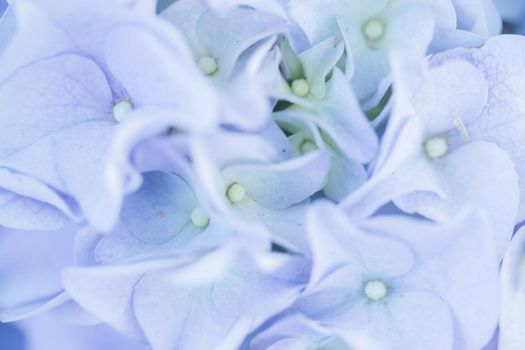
272, 193
261, 174
144, 291
430, 158
394, 283
86, 86
325, 114
371, 30
225, 57
500, 121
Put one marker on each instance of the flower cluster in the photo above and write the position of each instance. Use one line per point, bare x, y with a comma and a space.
264, 174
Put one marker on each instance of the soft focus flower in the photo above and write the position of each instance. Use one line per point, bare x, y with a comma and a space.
377, 289
261, 174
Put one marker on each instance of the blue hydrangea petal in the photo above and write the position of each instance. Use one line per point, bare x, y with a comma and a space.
128, 47
205, 31
467, 239
345, 123
491, 186
107, 292
334, 241
212, 153
29, 285
435, 277
461, 85
271, 6
511, 10
513, 295
408, 315
295, 332
30, 205
286, 226
157, 217
345, 176
50, 331
226, 310
480, 17
318, 18
500, 121
280, 185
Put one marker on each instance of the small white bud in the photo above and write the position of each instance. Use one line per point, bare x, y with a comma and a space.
236, 193
121, 110
374, 30
208, 65
376, 290
436, 147
300, 87
199, 217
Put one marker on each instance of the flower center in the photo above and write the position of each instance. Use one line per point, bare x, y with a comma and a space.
300, 87
436, 147
235, 193
199, 217
121, 110
374, 30
376, 290
307, 146
208, 65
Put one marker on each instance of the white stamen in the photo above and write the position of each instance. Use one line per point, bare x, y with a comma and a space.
458, 123
374, 29
199, 217
300, 87
436, 147
376, 290
307, 146
236, 193
208, 65
121, 110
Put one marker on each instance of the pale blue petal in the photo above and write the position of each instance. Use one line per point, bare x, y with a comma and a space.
30, 267
512, 318
280, 185
491, 185
225, 311
438, 249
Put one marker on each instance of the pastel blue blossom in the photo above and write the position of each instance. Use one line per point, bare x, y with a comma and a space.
229, 58
431, 162
262, 174
325, 114
242, 186
135, 296
164, 218
371, 30
84, 62
395, 282
321, 95
501, 121
344, 176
